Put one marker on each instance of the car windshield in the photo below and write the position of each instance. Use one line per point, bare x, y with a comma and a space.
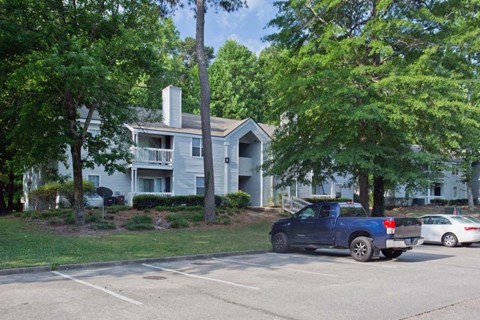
461, 220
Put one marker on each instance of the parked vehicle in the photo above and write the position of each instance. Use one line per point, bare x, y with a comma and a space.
449, 230
346, 225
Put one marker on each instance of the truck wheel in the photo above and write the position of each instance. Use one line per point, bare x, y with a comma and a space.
280, 242
361, 249
391, 253
449, 240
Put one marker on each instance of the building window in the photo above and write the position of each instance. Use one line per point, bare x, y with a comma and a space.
455, 192
200, 185
150, 184
437, 190
455, 170
197, 150
95, 180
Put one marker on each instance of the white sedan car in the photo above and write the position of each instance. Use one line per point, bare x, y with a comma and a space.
449, 230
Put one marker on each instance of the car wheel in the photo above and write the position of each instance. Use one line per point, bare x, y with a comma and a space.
361, 249
449, 240
391, 253
280, 242
466, 244
310, 249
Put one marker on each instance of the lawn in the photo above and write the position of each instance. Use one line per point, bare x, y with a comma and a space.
23, 244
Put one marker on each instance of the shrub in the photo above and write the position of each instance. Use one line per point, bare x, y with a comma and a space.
146, 201
319, 200
103, 225
177, 221
66, 190
142, 222
458, 202
238, 199
439, 202
116, 208
45, 196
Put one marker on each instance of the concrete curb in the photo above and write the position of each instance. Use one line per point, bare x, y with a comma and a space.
94, 265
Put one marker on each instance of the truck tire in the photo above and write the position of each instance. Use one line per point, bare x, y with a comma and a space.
280, 242
391, 253
449, 240
361, 249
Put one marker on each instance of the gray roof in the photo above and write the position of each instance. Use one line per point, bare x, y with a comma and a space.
191, 123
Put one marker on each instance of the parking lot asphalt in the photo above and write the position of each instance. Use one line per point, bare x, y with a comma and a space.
429, 282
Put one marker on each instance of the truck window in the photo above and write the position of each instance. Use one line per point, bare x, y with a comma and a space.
325, 211
352, 212
306, 213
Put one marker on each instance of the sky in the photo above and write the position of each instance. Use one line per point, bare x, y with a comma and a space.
247, 25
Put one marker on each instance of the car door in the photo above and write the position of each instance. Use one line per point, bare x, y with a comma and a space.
303, 225
325, 225
427, 232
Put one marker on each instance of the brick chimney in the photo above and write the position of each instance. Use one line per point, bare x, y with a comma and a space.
172, 106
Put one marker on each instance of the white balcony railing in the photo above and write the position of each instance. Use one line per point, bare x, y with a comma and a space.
153, 155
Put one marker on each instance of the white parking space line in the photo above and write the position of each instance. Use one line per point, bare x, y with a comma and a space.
343, 260
276, 267
200, 277
116, 295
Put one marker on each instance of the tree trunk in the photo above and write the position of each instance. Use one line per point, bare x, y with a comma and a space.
471, 205
363, 186
10, 191
378, 197
209, 209
3, 207
475, 181
76, 151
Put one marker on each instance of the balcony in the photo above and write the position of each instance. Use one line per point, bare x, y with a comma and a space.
163, 157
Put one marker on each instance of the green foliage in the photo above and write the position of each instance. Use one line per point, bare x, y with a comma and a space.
458, 202
103, 225
178, 221
439, 202
238, 199
321, 200
46, 195
369, 91
116, 209
142, 202
142, 222
235, 79
180, 208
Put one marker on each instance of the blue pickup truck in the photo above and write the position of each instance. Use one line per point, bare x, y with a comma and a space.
346, 226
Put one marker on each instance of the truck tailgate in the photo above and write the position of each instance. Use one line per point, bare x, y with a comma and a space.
406, 227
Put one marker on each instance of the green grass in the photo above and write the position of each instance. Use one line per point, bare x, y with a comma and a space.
24, 245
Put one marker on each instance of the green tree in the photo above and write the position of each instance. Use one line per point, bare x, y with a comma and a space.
237, 90
101, 56
189, 75
369, 89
